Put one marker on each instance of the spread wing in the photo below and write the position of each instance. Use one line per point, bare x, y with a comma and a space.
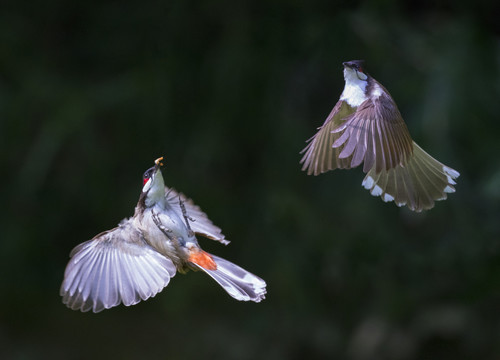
117, 266
199, 221
375, 134
319, 155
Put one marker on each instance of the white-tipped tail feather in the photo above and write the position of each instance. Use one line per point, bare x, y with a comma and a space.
418, 185
238, 282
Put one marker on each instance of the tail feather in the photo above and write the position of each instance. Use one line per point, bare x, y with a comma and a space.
237, 282
418, 184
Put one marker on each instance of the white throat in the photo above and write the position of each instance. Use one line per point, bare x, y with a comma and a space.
354, 90
156, 188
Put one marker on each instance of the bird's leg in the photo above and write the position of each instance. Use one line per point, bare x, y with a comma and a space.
162, 227
184, 212
186, 217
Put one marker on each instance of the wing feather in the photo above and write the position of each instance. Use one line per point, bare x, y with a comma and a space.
319, 154
200, 223
376, 134
115, 267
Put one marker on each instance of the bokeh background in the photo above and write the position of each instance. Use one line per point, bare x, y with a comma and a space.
228, 91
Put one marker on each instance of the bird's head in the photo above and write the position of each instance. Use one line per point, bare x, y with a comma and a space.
153, 185
354, 71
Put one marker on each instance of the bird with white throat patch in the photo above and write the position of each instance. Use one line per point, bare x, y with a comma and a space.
137, 259
365, 126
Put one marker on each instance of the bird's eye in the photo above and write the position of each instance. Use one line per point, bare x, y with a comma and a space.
147, 175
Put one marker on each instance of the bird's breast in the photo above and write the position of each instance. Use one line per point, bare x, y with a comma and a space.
167, 233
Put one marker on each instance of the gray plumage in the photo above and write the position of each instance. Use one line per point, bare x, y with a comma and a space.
137, 259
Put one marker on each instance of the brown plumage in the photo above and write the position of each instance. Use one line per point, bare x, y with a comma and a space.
365, 126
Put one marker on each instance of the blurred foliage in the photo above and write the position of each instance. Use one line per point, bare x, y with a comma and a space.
228, 91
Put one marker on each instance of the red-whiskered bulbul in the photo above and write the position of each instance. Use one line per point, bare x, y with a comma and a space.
136, 260
365, 126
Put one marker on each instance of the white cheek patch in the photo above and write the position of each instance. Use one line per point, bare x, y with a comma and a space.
361, 76
147, 185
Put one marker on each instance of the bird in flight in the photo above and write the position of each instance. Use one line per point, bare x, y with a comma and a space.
136, 260
366, 127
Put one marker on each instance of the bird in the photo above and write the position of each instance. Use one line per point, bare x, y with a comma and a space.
366, 127
137, 259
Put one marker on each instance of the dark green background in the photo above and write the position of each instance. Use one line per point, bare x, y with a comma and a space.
228, 91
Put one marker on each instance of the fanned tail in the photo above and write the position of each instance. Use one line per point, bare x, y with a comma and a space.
418, 184
238, 282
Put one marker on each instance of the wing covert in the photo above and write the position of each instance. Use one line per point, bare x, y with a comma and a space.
376, 135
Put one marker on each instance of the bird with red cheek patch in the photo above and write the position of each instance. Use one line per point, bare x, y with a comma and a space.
137, 259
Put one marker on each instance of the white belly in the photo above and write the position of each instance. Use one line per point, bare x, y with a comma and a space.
167, 232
